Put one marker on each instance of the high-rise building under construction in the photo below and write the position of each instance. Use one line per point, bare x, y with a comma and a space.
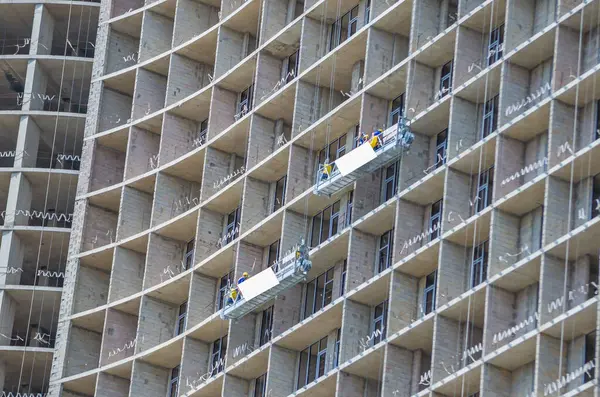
46, 57
412, 186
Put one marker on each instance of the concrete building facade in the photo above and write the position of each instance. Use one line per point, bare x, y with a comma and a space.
46, 57
466, 266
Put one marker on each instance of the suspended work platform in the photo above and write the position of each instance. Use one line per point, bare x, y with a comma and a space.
364, 160
266, 285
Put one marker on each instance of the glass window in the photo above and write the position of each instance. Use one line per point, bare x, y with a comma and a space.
260, 386
325, 224
484, 190
273, 254
367, 11
446, 79
434, 220
174, 382
379, 322
479, 265
429, 293
319, 293
292, 69
349, 208
223, 289
333, 151
343, 28
590, 355
188, 257
496, 46
386, 244
440, 149
203, 132
336, 357
390, 177
356, 136
219, 351
279, 193
266, 326
180, 326
490, 116
233, 229
597, 133
396, 110
343, 280
312, 362
595, 210
245, 101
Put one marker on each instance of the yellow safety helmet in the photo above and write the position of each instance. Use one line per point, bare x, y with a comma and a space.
245, 274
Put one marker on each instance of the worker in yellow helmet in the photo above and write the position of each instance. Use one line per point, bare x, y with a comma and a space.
243, 278
326, 173
376, 139
233, 294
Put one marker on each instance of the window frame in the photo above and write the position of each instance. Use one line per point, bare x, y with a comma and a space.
266, 334
328, 278
595, 196
293, 59
446, 78
337, 37
218, 351
589, 355
396, 112
321, 354
336, 353
496, 43
248, 92
441, 148
485, 189
349, 206
427, 290
232, 226
271, 262
387, 193
223, 289
333, 223
262, 380
367, 11
386, 249
379, 322
181, 322
188, 255
343, 278
490, 111
479, 263
276, 205
174, 382
436, 218
203, 131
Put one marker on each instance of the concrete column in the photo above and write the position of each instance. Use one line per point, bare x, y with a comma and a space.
27, 143
36, 83
42, 32
19, 197
8, 309
11, 256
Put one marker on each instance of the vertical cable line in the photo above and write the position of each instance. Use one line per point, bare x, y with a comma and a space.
581, 54
47, 194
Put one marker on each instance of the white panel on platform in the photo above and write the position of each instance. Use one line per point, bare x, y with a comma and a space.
355, 159
258, 284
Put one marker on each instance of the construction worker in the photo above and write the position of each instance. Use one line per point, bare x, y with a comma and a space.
243, 278
376, 139
326, 173
363, 138
233, 294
